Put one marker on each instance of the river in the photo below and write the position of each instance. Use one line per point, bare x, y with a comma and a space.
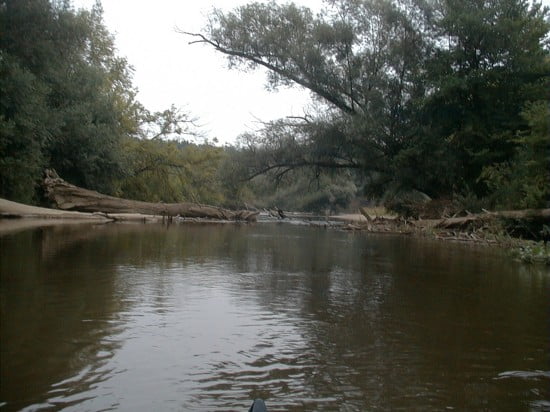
208, 317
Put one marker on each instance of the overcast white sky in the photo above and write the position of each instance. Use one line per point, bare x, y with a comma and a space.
194, 77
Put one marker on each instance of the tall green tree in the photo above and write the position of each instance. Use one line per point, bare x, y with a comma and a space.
523, 181
24, 129
489, 60
361, 60
67, 99
415, 94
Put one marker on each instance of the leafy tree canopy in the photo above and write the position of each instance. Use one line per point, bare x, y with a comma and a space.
67, 102
67, 99
419, 94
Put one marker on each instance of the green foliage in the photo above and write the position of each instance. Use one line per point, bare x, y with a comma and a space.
171, 123
67, 102
532, 252
232, 179
444, 97
169, 171
524, 180
328, 194
489, 61
424, 95
301, 190
23, 129
288, 187
363, 58
67, 99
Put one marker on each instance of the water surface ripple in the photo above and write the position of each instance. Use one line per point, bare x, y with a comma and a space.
210, 317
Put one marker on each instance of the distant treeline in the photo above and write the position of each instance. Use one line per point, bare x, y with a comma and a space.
445, 97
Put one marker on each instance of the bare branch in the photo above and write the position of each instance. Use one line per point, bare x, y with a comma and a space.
303, 163
317, 89
304, 118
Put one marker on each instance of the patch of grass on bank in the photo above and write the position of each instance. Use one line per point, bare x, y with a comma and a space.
378, 211
529, 251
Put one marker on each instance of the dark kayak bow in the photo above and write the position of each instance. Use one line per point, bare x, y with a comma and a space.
258, 406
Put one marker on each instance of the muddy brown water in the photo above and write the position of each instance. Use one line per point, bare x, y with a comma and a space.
209, 317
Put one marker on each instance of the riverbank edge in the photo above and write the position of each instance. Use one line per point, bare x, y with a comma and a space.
17, 216
487, 235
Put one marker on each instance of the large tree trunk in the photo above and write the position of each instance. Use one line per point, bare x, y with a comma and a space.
66, 196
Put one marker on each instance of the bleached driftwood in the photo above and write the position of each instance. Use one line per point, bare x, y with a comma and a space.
66, 196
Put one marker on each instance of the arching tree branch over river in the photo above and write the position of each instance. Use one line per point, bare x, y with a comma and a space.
444, 97
440, 96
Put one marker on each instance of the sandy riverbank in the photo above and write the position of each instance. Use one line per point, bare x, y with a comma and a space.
9, 209
17, 216
350, 218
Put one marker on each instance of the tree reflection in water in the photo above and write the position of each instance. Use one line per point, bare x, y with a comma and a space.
212, 316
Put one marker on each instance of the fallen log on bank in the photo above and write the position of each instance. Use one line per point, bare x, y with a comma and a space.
531, 224
542, 215
66, 196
